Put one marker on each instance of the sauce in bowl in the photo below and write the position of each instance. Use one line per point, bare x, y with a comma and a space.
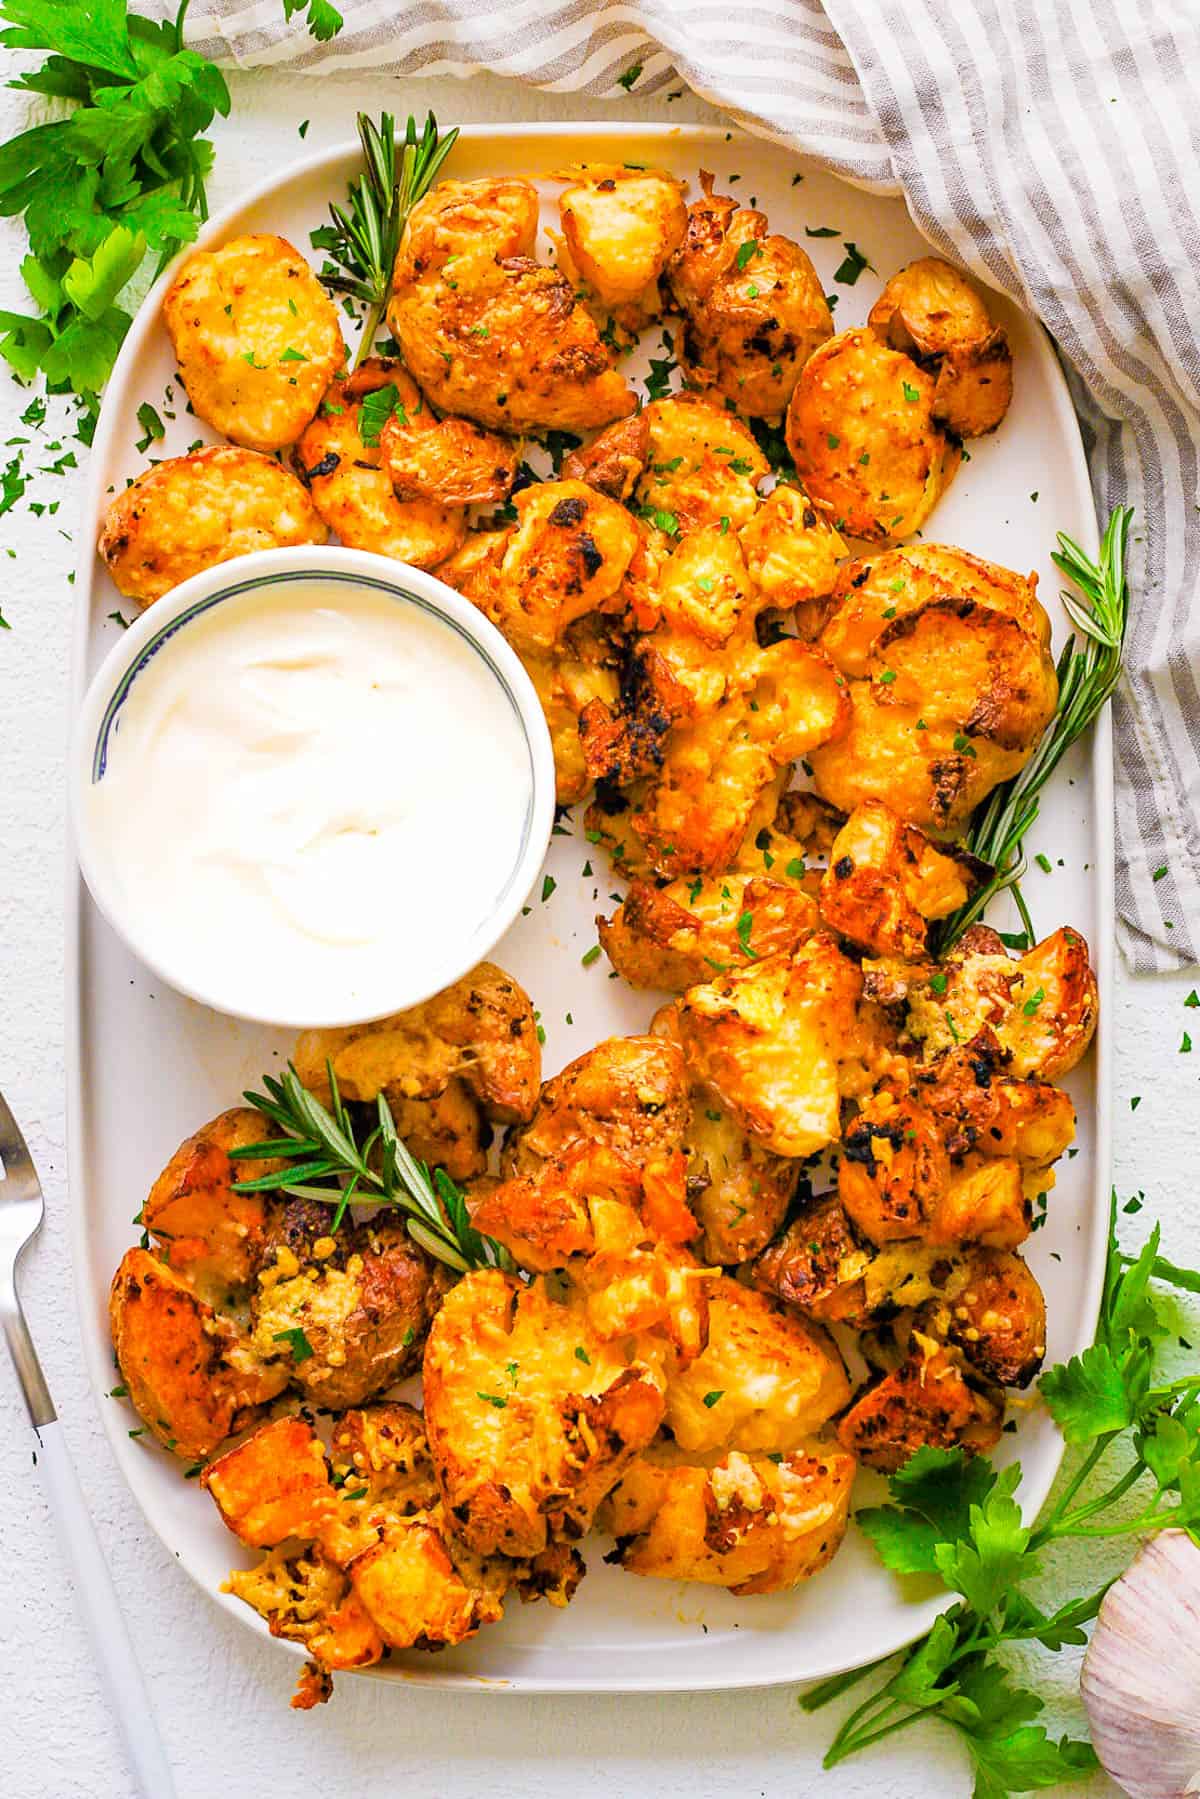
307, 786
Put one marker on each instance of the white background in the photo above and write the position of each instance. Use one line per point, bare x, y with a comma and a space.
220, 1697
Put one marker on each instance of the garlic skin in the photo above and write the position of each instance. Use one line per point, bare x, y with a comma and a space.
1141, 1675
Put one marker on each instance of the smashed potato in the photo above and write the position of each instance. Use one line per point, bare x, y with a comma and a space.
886, 881
449, 461
768, 1039
189, 1374
753, 306
927, 1400
350, 488
930, 311
754, 1524
672, 937
862, 434
480, 1031
620, 225
256, 338
993, 1309
1041, 1006
212, 1236
191, 512
792, 551
526, 1435
818, 1264
489, 333
766, 1380
346, 1314
627, 1095
738, 1190
683, 462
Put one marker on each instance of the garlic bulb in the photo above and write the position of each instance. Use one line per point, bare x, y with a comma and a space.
1141, 1675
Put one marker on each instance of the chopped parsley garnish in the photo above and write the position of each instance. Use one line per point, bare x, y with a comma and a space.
1033, 1002
937, 983
1043, 862
911, 394
746, 251
630, 76
852, 266
496, 1399
821, 231
581, 1355
796, 868
710, 1399
300, 1346
375, 411
663, 521
548, 886
591, 955
833, 440
152, 425
744, 926
293, 355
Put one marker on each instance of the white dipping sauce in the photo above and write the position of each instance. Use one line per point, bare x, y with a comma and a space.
307, 785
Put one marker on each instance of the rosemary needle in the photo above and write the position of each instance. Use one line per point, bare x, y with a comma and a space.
1088, 671
328, 1162
363, 238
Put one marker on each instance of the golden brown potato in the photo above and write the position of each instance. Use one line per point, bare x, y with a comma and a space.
766, 1381
993, 1309
871, 591
926, 1401
894, 1170
627, 1094
189, 1375
213, 1237
674, 937
448, 1131
866, 445
929, 310
753, 306
738, 1191
567, 555
489, 333
954, 699
256, 339
791, 550
346, 1315
350, 488
305, 1598
191, 512
620, 226
1041, 1006
480, 1031
527, 1436
818, 1264
886, 880
767, 1041
450, 461
275, 1485
979, 1106
754, 1524
683, 462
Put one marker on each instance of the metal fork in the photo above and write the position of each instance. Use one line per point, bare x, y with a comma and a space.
21, 1212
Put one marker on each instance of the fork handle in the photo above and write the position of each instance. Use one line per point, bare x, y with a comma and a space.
102, 1614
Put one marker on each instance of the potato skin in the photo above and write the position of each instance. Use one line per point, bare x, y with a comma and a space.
449, 461
495, 337
925, 1401
753, 306
776, 1378
994, 1311
754, 1524
860, 427
352, 492
1041, 1006
525, 1453
669, 938
930, 311
628, 1095
256, 339
817, 1264
886, 881
738, 1191
274, 1485
175, 1358
191, 512
684, 457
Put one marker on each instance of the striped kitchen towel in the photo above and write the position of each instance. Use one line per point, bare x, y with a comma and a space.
1052, 146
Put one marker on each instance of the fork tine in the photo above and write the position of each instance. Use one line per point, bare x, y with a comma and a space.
20, 1176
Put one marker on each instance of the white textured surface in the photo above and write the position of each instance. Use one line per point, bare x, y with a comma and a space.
219, 1697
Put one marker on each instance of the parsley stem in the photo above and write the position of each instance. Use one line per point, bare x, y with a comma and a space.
837, 1684
864, 1741
1065, 1526
1047, 1530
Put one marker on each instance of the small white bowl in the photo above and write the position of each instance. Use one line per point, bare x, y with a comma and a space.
405, 984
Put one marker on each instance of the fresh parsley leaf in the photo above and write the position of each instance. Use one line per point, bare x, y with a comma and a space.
630, 76
324, 20
851, 267
299, 1344
376, 409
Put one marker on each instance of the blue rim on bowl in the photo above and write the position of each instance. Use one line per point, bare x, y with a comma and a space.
113, 681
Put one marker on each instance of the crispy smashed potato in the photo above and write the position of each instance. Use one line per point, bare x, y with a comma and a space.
792, 551
927, 1400
753, 306
527, 1436
672, 937
489, 333
480, 1032
189, 1374
1041, 1006
766, 1380
350, 488
754, 1524
818, 1264
627, 1095
993, 1309
862, 435
619, 227
256, 338
980, 1106
768, 1039
346, 1315
191, 512
886, 881
738, 1191
212, 1236
930, 311
449, 461
683, 462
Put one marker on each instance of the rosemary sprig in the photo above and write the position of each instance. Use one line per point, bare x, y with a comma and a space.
1088, 671
328, 1162
364, 236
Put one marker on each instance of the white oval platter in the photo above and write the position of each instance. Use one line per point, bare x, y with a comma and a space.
146, 1066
